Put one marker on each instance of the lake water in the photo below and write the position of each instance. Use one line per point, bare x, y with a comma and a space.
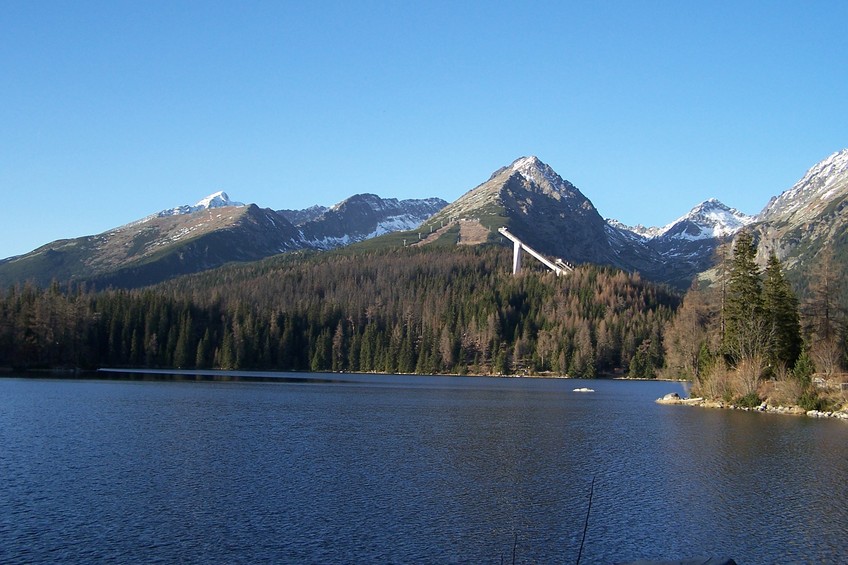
401, 469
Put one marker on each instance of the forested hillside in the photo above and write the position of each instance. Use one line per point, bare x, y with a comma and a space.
402, 310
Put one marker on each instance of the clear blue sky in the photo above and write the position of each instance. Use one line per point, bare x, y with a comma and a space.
113, 110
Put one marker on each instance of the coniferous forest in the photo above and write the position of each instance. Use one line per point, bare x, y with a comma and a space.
402, 310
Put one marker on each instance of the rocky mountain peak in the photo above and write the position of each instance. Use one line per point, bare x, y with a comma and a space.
218, 199
826, 171
527, 163
539, 177
709, 219
371, 201
806, 199
644, 232
363, 216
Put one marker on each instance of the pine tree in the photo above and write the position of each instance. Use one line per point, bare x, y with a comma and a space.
201, 357
184, 343
747, 333
339, 348
322, 352
804, 369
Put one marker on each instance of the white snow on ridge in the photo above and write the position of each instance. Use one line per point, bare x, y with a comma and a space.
531, 168
821, 182
827, 170
403, 222
525, 163
218, 199
710, 219
638, 230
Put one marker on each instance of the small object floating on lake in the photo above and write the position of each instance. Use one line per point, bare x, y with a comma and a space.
584, 389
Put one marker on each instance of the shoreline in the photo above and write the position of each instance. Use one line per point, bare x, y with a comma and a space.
673, 399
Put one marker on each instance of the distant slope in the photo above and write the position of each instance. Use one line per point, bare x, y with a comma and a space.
157, 248
812, 215
687, 246
215, 231
365, 216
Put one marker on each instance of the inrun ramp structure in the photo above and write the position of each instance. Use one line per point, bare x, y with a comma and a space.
559, 266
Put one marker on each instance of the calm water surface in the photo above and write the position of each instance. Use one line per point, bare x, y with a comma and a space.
396, 469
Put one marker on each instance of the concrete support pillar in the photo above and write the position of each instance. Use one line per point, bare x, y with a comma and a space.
516, 257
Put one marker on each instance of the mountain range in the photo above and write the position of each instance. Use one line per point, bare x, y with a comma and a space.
209, 234
546, 211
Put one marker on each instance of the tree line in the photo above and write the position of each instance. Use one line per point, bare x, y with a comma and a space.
406, 310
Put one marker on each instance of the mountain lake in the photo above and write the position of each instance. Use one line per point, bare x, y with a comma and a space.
332, 468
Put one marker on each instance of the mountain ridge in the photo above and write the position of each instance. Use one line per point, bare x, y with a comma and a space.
538, 205
808, 219
215, 231
709, 219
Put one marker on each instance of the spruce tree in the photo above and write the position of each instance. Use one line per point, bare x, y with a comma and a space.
743, 307
781, 311
804, 369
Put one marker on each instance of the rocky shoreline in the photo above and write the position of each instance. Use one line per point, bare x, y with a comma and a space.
674, 398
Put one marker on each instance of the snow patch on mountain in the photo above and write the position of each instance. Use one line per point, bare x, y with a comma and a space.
391, 224
402, 222
218, 199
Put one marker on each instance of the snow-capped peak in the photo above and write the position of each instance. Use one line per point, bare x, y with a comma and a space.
525, 163
826, 170
532, 169
709, 219
218, 199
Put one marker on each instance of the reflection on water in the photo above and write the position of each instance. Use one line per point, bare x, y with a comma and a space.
370, 468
